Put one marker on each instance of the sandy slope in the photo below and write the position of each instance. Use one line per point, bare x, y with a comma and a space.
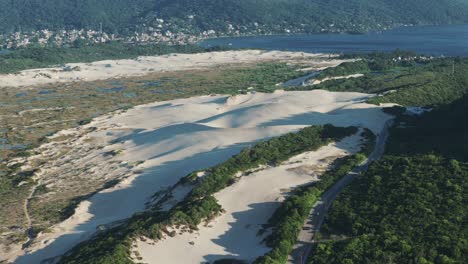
316, 82
141, 66
249, 203
176, 137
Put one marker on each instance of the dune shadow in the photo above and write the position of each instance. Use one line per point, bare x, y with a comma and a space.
242, 241
167, 105
217, 99
141, 137
339, 117
236, 112
220, 100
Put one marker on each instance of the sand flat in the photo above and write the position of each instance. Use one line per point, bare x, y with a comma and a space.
111, 69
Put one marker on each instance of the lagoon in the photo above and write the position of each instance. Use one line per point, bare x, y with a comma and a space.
448, 40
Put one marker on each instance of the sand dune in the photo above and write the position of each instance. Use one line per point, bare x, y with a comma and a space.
101, 70
316, 82
249, 203
177, 137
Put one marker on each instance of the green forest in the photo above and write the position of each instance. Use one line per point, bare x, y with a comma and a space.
124, 16
405, 209
411, 206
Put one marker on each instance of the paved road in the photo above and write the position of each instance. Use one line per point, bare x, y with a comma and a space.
303, 247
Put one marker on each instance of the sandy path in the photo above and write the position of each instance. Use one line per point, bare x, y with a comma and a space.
316, 82
26, 205
176, 137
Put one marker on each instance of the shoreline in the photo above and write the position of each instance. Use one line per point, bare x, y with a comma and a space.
402, 26
404, 38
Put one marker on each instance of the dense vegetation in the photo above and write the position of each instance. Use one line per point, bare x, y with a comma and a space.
441, 82
29, 58
200, 205
444, 131
373, 62
402, 78
403, 210
123, 16
410, 207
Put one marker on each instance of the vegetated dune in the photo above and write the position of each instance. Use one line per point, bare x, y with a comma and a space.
141, 66
167, 140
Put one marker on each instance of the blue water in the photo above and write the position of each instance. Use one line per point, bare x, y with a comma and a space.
451, 40
12, 147
46, 92
21, 94
110, 90
152, 83
130, 95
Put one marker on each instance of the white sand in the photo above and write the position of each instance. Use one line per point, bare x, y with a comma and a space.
249, 204
316, 82
177, 137
141, 66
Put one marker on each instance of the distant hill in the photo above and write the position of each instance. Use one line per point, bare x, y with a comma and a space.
228, 16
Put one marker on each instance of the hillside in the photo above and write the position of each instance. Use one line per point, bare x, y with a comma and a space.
244, 16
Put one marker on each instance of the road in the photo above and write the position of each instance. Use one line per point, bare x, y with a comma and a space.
303, 247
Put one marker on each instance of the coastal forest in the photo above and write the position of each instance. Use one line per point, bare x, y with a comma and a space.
225, 16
